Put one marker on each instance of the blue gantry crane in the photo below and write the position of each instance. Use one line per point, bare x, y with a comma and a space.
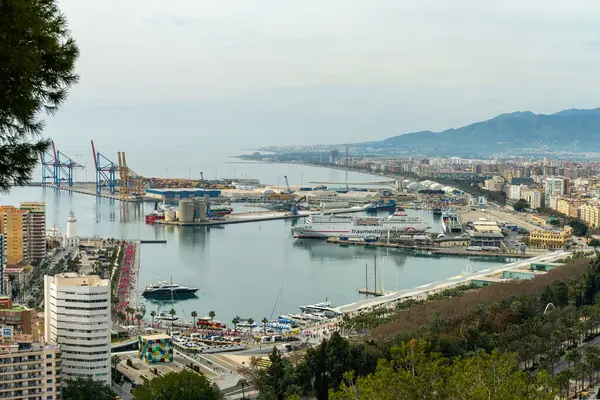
106, 172
58, 167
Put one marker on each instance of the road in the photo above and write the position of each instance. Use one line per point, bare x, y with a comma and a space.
561, 365
121, 392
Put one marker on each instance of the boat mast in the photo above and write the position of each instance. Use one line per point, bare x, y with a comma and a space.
375, 272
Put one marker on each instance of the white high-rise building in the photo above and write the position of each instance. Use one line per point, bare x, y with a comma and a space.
77, 311
555, 187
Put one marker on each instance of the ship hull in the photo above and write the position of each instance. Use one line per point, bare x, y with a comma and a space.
164, 294
225, 211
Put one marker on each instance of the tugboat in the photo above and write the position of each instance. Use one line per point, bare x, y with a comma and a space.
437, 211
155, 215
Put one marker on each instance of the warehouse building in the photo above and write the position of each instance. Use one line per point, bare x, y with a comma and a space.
174, 195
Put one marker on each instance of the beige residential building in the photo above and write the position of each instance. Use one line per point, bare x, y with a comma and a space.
36, 229
569, 206
29, 370
590, 214
14, 225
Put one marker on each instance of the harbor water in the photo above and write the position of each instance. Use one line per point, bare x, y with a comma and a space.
252, 269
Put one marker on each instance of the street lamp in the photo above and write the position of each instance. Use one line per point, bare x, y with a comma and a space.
302, 173
277, 183
166, 173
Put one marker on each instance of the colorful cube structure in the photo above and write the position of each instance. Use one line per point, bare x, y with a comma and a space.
155, 349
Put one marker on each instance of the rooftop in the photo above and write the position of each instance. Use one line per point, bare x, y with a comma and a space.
158, 336
75, 279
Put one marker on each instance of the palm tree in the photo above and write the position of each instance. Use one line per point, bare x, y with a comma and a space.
264, 322
250, 322
115, 360
234, 322
153, 314
243, 383
572, 357
139, 319
121, 316
172, 313
194, 315
212, 315
129, 311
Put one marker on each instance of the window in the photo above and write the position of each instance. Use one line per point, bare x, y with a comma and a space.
48, 389
48, 355
48, 380
48, 364
48, 397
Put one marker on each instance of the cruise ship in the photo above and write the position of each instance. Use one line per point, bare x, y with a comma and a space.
164, 289
325, 226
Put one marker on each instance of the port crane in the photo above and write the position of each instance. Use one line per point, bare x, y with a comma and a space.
130, 183
58, 166
287, 185
106, 172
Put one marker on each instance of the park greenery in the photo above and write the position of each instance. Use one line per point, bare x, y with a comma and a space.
185, 385
37, 64
515, 340
520, 205
86, 389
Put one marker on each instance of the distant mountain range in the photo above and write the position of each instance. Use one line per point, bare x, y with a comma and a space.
568, 131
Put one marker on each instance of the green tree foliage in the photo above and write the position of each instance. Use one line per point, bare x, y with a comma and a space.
520, 205
579, 228
594, 243
37, 67
185, 385
416, 373
277, 381
86, 389
554, 222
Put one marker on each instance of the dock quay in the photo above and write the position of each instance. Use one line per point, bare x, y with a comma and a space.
487, 276
431, 250
90, 190
258, 216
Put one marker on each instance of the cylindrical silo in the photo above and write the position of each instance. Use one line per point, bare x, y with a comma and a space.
200, 209
186, 211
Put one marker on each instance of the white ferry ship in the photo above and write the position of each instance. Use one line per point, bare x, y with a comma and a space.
324, 226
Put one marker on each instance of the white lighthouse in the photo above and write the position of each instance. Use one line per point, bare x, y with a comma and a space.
71, 240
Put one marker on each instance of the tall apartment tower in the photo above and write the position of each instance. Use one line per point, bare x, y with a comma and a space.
2, 264
14, 225
77, 310
555, 187
36, 229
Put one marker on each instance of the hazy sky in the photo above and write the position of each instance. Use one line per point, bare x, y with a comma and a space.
244, 73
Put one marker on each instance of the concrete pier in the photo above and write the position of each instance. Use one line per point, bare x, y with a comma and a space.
90, 190
240, 218
432, 250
